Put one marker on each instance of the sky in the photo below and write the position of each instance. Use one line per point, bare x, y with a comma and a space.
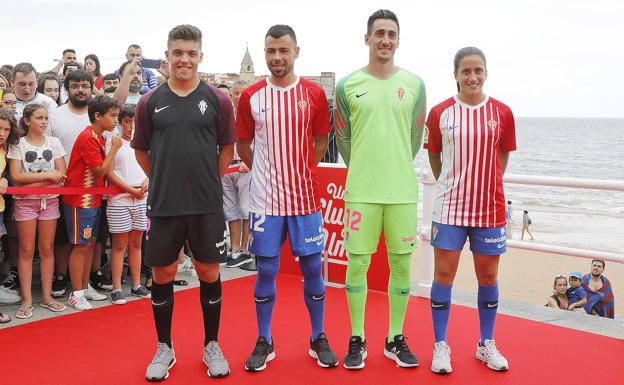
548, 58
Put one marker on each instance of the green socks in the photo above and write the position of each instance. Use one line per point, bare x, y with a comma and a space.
356, 290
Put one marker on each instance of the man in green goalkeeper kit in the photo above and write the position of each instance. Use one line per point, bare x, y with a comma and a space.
381, 113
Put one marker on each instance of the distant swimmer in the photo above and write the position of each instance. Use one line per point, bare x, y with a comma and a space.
526, 222
470, 201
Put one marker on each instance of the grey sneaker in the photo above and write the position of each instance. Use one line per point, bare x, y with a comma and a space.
117, 297
238, 259
158, 369
141, 292
214, 360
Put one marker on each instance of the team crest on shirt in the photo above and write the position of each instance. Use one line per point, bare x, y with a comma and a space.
202, 106
492, 124
435, 231
302, 104
86, 233
400, 93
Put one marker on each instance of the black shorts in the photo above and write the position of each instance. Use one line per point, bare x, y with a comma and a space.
205, 233
103, 233
61, 237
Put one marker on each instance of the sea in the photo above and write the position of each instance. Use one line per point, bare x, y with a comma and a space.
568, 147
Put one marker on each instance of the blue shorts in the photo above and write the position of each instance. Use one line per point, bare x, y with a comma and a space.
483, 240
82, 224
267, 234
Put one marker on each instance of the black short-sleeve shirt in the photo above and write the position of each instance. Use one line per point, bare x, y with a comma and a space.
182, 135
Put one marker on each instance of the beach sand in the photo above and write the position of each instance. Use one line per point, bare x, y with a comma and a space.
527, 276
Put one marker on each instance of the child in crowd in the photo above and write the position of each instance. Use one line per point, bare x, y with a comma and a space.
8, 126
127, 218
87, 167
577, 297
36, 160
9, 101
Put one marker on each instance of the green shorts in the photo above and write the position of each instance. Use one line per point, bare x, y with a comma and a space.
363, 223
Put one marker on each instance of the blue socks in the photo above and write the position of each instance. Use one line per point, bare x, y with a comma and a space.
488, 305
313, 291
264, 293
440, 309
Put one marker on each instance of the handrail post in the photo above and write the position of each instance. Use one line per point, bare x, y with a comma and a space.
426, 251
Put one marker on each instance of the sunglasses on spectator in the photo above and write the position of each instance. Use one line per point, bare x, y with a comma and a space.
560, 276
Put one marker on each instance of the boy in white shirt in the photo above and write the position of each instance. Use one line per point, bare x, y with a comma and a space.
127, 219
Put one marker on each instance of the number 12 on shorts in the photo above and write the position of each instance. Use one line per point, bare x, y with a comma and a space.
256, 222
352, 219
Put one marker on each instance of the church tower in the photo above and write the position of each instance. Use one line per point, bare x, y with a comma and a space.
247, 72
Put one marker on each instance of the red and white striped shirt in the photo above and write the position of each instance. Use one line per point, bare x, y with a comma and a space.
470, 186
282, 123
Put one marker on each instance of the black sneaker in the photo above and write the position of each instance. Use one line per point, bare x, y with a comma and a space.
356, 354
228, 256
11, 281
262, 353
59, 285
319, 349
100, 282
398, 351
238, 259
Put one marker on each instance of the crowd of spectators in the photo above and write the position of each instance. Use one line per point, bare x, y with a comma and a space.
43, 116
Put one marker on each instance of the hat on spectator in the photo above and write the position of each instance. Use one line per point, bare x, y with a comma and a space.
576, 274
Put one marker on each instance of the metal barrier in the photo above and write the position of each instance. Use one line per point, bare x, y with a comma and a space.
429, 186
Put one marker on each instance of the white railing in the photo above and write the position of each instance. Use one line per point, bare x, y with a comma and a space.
429, 186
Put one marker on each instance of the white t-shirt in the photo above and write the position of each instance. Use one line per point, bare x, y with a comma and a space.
37, 159
66, 126
39, 98
126, 168
133, 99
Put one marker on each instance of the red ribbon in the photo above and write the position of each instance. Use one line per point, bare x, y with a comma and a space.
78, 190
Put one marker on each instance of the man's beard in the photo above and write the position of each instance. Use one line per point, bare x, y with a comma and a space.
595, 275
110, 90
133, 88
78, 102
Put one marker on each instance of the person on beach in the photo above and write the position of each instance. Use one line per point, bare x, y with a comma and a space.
184, 141
559, 299
277, 208
600, 299
526, 222
469, 139
380, 103
577, 297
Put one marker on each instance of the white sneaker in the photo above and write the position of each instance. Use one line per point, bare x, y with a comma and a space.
489, 354
441, 362
7, 296
91, 294
186, 266
79, 302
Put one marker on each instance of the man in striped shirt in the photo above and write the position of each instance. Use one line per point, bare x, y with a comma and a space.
287, 118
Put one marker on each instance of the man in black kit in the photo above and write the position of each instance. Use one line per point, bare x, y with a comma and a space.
179, 127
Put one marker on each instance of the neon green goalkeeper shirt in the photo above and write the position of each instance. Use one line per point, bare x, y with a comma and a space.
379, 127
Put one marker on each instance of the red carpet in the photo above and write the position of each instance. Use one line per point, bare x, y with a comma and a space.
113, 345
